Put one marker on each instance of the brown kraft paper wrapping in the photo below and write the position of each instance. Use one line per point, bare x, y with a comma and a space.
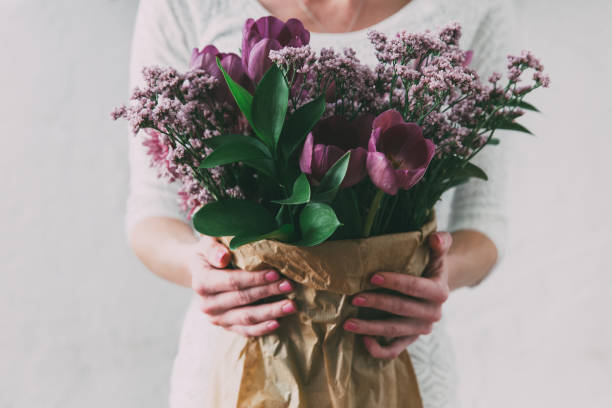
310, 360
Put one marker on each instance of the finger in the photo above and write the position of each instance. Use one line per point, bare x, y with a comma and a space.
393, 327
221, 302
252, 315
399, 305
440, 242
415, 286
255, 330
390, 351
214, 252
224, 280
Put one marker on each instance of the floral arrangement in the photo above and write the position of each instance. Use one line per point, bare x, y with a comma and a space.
299, 146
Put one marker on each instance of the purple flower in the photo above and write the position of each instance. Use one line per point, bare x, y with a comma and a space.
266, 34
207, 60
398, 154
330, 139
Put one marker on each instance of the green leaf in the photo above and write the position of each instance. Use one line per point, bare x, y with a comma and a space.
318, 222
264, 166
300, 123
346, 206
270, 106
328, 188
233, 217
232, 152
472, 170
300, 193
493, 141
508, 125
217, 141
525, 105
243, 98
285, 233
458, 172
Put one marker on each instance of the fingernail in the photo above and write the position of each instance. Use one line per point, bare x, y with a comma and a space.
285, 286
288, 308
221, 254
438, 239
377, 280
350, 325
359, 301
271, 276
273, 325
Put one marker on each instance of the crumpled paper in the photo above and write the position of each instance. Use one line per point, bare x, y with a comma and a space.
310, 360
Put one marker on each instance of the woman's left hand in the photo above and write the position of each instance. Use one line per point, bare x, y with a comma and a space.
417, 305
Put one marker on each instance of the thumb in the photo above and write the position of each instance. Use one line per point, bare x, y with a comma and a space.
215, 253
440, 242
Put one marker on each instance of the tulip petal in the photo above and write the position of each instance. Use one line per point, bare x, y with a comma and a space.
299, 35
269, 26
363, 128
259, 62
417, 153
323, 158
406, 179
233, 66
382, 173
337, 131
356, 170
387, 119
306, 156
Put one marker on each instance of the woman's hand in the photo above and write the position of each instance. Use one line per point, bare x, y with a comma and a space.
416, 306
227, 296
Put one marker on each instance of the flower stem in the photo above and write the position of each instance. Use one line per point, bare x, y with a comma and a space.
367, 228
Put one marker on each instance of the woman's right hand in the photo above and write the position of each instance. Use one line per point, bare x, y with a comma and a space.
227, 295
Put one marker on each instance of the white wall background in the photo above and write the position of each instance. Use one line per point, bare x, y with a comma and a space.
83, 324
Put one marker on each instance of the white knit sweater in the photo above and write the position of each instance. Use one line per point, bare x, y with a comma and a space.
165, 33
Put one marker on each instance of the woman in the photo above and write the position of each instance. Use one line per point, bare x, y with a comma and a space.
165, 33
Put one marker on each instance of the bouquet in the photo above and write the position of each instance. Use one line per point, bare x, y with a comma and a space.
328, 170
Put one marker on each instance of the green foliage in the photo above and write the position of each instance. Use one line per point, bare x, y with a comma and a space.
300, 124
243, 98
232, 152
346, 206
300, 193
510, 125
285, 233
328, 188
524, 105
233, 217
270, 106
318, 222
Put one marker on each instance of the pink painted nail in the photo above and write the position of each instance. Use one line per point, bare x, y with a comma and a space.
285, 287
359, 301
377, 280
221, 254
288, 308
273, 325
271, 276
350, 325
438, 239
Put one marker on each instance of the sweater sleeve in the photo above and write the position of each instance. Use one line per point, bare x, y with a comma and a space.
163, 35
481, 205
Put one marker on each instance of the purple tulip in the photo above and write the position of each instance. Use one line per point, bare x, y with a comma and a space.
207, 61
330, 139
398, 154
265, 34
